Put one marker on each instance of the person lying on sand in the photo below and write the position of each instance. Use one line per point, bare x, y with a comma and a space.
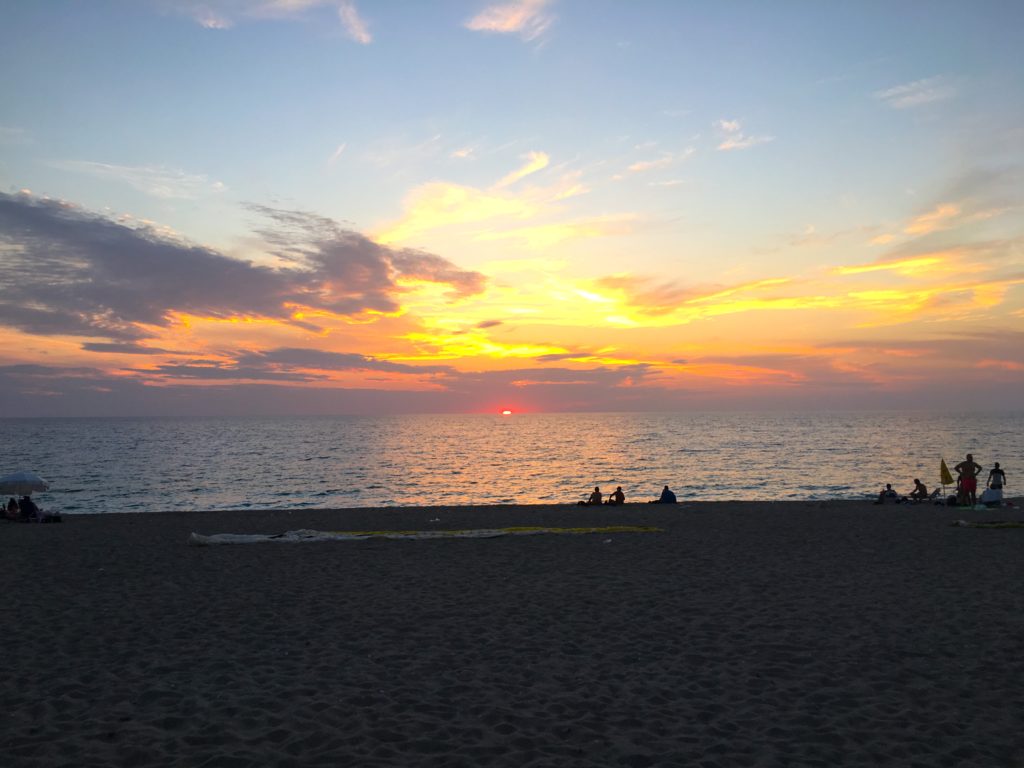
617, 498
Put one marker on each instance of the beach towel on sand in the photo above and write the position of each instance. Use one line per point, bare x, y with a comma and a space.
305, 535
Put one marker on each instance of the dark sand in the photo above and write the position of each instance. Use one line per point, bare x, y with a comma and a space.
747, 634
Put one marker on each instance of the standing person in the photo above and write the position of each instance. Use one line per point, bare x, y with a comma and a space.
969, 470
996, 478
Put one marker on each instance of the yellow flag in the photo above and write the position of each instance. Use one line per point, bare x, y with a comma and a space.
944, 477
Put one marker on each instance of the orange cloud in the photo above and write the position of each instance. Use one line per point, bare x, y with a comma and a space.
939, 218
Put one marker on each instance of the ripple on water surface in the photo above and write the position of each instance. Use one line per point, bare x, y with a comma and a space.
123, 465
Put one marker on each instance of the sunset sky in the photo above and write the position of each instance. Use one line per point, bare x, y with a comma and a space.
374, 206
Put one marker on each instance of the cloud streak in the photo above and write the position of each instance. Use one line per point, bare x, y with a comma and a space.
154, 180
527, 18
535, 161
734, 138
355, 27
917, 93
224, 14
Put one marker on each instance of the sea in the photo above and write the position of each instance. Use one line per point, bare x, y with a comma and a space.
111, 465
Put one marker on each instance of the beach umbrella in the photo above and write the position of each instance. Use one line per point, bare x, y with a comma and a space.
22, 484
945, 478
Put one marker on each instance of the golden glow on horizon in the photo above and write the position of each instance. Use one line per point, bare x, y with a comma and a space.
539, 313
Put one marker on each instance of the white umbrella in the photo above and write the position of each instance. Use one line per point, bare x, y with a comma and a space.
22, 483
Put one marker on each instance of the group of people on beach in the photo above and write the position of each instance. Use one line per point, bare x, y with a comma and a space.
968, 471
617, 497
26, 511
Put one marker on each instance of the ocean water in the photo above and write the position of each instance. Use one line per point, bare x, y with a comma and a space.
143, 465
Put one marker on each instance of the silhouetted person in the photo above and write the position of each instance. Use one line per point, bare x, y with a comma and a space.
28, 508
996, 478
594, 500
969, 470
12, 509
667, 497
617, 498
887, 495
920, 492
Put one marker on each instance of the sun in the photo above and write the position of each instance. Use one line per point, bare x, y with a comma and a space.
506, 412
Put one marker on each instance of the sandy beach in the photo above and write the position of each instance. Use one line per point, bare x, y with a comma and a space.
744, 634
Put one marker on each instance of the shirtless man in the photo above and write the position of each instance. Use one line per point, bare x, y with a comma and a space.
969, 470
920, 492
617, 498
595, 498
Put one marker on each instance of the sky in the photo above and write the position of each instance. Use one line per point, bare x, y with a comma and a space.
262, 207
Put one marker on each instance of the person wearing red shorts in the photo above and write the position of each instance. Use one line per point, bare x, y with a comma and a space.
969, 470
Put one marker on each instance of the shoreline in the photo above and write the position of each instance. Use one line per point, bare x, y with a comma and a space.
569, 506
745, 633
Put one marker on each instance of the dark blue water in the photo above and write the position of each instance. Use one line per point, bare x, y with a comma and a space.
143, 465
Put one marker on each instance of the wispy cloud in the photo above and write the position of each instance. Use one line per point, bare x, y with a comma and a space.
13, 135
527, 18
462, 153
440, 204
208, 19
535, 161
940, 218
666, 159
916, 93
224, 14
336, 154
155, 180
734, 138
355, 26
402, 152
443, 204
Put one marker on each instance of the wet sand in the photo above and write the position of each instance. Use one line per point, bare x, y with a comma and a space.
745, 634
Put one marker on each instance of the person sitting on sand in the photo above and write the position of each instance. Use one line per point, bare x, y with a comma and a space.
667, 497
920, 492
887, 495
617, 498
969, 470
12, 509
28, 508
594, 500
